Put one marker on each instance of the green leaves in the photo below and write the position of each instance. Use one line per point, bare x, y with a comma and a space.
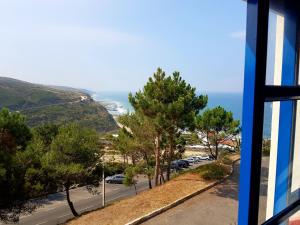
13, 130
218, 120
74, 153
130, 173
172, 105
169, 101
217, 126
14, 138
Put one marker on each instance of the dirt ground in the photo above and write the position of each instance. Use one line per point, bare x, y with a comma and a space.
129, 209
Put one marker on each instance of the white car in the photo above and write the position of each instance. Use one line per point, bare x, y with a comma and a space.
196, 158
191, 160
203, 157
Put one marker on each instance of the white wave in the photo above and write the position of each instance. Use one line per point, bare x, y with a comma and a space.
113, 107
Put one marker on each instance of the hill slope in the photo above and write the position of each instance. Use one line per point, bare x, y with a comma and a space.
43, 104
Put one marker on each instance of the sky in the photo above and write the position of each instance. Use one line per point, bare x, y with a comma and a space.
115, 45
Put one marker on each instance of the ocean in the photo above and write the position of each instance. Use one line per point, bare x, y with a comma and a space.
117, 103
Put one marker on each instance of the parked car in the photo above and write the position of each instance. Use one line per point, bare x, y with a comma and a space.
180, 164
203, 157
210, 158
175, 165
196, 158
191, 160
115, 179
184, 163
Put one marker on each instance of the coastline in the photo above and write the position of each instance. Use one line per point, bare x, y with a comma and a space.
114, 107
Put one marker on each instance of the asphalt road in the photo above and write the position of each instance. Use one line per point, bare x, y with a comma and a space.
55, 210
217, 206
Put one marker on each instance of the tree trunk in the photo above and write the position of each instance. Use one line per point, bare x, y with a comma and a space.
209, 147
149, 182
148, 175
157, 161
162, 176
170, 158
217, 151
69, 202
135, 189
133, 160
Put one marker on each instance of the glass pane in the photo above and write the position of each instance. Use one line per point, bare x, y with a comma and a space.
266, 149
293, 220
295, 168
280, 169
280, 54
275, 42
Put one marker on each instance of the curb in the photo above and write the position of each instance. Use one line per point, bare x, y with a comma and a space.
179, 201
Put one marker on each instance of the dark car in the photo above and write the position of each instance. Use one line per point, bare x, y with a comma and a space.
115, 179
175, 165
183, 163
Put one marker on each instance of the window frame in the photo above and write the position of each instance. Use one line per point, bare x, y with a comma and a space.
256, 93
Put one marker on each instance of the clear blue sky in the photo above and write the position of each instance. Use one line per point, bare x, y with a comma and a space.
117, 44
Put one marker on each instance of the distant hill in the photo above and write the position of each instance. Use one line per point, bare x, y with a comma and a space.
42, 104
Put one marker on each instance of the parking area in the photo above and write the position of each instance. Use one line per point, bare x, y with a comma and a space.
190, 163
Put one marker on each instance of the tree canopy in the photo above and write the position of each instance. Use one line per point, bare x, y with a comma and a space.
172, 104
217, 126
14, 137
73, 158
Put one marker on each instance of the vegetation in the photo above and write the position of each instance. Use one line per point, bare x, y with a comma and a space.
137, 140
86, 114
213, 171
191, 138
130, 175
43, 160
14, 189
266, 147
73, 159
217, 126
57, 153
19, 95
171, 104
112, 168
49, 104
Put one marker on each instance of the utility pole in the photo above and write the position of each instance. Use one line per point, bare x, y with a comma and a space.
103, 182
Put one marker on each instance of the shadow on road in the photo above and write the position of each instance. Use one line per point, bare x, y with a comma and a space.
230, 187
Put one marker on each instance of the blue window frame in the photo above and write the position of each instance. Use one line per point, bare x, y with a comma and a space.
256, 93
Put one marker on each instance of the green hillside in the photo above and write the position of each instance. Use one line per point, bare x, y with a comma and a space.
44, 104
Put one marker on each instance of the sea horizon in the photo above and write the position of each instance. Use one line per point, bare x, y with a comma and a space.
117, 103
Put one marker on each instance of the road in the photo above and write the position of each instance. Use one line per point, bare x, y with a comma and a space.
55, 209
56, 104
217, 206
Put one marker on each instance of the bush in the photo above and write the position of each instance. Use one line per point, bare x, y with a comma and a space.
266, 146
113, 168
226, 160
213, 171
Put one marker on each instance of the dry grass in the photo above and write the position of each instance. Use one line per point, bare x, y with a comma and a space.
234, 156
131, 208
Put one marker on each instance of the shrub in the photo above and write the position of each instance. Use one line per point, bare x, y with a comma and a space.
266, 147
213, 171
113, 168
226, 160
